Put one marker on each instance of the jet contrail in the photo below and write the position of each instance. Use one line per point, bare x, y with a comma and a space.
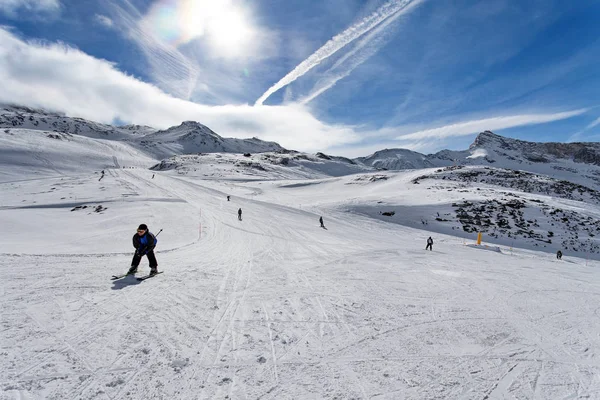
364, 49
336, 43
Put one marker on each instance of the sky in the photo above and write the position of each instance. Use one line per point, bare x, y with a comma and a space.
345, 77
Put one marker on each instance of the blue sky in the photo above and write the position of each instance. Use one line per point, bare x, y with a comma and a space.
343, 76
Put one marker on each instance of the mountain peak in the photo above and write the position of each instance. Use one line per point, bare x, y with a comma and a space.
191, 128
487, 138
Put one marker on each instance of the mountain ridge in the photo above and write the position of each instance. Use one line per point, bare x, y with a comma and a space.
564, 160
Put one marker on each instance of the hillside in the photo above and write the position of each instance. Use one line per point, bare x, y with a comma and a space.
35, 140
193, 137
273, 306
40, 120
266, 165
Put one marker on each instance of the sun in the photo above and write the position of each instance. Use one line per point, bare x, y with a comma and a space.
229, 33
224, 25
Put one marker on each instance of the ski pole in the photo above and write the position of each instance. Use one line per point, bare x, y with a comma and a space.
155, 236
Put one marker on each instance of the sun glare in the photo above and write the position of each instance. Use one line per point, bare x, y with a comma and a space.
223, 25
230, 33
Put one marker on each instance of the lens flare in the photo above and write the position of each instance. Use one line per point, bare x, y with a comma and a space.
221, 23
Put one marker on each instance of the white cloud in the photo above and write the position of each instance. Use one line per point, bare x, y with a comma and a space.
478, 153
64, 79
10, 7
493, 124
593, 124
335, 44
104, 20
61, 78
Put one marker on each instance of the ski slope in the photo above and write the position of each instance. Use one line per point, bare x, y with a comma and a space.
273, 306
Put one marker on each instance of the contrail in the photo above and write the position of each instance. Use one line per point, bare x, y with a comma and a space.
375, 40
336, 43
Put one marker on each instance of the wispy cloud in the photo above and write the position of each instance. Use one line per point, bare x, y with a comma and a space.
593, 124
366, 47
496, 123
577, 136
335, 44
104, 20
171, 70
64, 79
11, 7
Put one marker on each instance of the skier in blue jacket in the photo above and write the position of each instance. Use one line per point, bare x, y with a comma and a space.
144, 242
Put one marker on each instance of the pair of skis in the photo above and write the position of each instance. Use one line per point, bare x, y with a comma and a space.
141, 278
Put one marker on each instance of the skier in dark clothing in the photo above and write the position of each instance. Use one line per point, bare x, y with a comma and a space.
321, 222
429, 244
144, 242
240, 214
559, 255
228, 198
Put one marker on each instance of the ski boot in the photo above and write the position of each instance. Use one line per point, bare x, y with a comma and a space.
132, 270
153, 271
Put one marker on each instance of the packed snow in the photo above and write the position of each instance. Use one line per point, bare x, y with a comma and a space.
274, 306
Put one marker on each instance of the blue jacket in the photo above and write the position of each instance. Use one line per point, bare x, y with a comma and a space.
145, 243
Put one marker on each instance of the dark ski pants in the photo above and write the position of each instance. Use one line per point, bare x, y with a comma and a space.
429, 247
151, 259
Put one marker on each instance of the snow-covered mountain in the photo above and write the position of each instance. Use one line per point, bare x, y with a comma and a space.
396, 159
576, 162
266, 165
33, 138
193, 137
40, 120
491, 149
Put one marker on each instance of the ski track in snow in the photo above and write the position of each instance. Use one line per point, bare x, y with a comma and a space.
275, 307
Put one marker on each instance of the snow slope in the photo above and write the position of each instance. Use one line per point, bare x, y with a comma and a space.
27, 118
273, 306
39, 153
510, 208
266, 166
396, 159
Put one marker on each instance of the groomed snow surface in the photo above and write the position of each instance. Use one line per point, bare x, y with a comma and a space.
273, 306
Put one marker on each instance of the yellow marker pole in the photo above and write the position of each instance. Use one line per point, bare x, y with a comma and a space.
479, 238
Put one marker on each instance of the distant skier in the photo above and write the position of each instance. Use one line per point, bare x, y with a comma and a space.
559, 255
144, 242
321, 222
240, 214
429, 244
152, 176
228, 198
